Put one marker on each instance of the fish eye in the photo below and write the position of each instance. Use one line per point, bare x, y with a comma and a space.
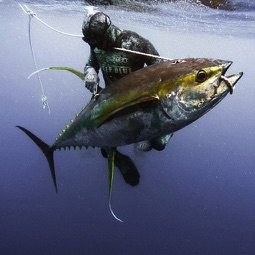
201, 76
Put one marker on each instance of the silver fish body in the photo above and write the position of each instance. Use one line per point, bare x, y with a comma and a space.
151, 102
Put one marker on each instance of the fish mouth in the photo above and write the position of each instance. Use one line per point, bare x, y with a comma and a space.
231, 80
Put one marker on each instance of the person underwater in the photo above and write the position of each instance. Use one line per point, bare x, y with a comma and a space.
103, 37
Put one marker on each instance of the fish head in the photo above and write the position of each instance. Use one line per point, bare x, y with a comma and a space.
199, 85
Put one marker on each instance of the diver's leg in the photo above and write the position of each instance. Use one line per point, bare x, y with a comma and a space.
158, 144
126, 167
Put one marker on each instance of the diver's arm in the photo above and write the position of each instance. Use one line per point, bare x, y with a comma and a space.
92, 62
91, 69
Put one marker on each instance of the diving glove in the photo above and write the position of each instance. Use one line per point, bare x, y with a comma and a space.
91, 80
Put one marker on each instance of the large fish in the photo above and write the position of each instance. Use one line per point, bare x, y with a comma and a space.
146, 104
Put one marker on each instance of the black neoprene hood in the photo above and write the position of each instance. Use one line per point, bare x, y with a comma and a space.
95, 25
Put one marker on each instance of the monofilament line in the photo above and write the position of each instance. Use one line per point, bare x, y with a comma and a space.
44, 98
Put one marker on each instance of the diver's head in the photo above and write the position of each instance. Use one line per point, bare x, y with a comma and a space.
95, 28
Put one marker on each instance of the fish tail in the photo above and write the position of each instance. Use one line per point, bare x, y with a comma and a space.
47, 151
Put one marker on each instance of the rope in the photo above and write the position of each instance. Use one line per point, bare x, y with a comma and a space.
56, 30
28, 11
43, 96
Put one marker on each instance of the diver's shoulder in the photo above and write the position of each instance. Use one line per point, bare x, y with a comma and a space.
131, 38
131, 35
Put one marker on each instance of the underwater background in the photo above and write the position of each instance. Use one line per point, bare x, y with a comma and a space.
195, 197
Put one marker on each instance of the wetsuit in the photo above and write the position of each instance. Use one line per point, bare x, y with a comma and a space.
115, 64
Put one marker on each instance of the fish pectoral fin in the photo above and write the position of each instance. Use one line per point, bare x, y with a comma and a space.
110, 156
47, 151
128, 108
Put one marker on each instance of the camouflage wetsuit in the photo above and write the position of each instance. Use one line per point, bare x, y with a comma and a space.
115, 64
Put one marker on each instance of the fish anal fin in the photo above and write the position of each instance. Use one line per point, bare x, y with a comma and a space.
110, 156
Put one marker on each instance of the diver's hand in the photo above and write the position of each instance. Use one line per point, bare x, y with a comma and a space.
91, 80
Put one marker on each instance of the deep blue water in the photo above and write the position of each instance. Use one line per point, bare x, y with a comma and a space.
195, 197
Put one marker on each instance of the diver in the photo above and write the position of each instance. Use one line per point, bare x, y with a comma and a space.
102, 36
